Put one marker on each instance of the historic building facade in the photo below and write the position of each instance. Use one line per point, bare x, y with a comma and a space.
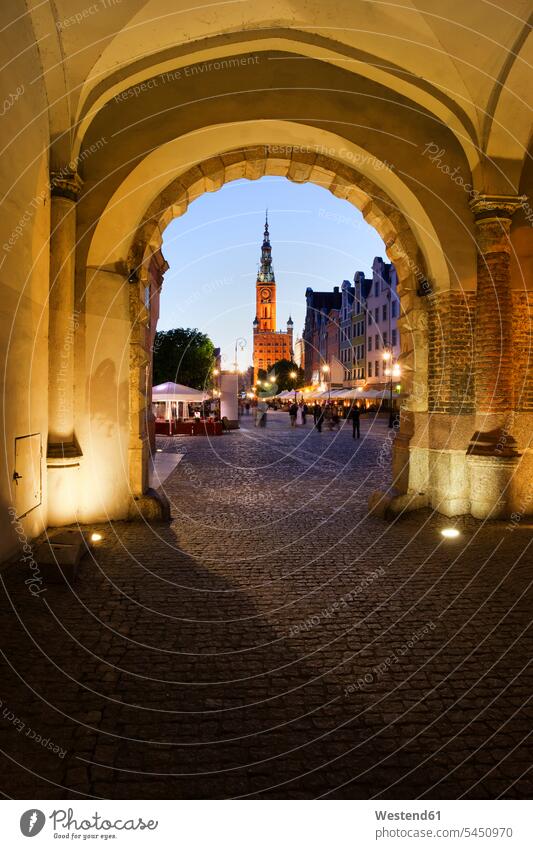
270, 345
356, 328
382, 335
359, 315
323, 309
345, 342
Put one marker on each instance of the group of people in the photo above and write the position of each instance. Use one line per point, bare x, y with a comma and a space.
326, 414
298, 413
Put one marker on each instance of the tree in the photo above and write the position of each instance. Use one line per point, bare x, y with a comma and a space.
183, 355
282, 371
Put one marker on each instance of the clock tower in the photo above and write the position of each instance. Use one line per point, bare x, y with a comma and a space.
265, 292
270, 345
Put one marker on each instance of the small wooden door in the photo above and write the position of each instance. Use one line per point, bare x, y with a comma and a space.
27, 474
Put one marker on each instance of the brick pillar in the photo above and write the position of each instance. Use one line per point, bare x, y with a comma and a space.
493, 457
493, 346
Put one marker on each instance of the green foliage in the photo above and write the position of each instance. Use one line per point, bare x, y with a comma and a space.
183, 355
282, 371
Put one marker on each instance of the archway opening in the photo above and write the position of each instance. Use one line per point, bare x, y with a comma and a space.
344, 183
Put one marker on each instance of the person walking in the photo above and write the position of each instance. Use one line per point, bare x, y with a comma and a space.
293, 412
355, 417
318, 415
261, 414
305, 410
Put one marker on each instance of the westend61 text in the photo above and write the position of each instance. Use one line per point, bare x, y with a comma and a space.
407, 815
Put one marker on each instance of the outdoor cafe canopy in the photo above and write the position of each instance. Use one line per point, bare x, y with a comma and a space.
178, 392
351, 394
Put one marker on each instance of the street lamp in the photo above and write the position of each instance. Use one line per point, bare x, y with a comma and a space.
325, 370
392, 371
293, 375
241, 344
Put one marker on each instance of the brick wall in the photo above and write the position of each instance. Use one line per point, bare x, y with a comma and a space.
522, 355
451, 352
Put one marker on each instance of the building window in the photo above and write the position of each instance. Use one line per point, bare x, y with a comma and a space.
394, 335
385, 339
376, 315
376, 342
394, 309
369, 343
370, 369
384, 312
376, 371
369, 317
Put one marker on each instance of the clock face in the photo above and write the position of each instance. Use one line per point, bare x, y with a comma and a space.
265, 294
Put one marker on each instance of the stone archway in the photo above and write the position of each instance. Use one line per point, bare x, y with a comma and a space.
344, 182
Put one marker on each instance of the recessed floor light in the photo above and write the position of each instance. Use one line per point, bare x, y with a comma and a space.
96, 537
450, 533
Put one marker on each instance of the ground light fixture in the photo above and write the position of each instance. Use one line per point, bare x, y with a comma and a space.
96, 537
450, 533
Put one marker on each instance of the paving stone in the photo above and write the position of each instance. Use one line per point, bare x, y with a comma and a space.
225, 654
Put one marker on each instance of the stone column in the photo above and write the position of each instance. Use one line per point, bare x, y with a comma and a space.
63, 451
492, 453
146, 504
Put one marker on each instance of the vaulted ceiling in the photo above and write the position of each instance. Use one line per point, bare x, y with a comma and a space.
466, 63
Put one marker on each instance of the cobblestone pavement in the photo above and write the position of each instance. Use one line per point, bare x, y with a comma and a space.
274, 641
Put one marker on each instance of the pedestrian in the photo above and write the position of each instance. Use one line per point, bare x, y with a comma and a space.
318, 416
247, 407
261, 414
355, 417
305, 410
293, 412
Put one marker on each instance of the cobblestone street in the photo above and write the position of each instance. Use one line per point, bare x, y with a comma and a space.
274, 640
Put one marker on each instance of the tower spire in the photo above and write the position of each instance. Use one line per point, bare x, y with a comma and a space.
266, 272
266, 237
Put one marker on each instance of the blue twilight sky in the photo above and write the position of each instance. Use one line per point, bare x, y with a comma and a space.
214, 250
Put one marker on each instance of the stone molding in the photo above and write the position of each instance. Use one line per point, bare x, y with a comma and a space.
65, 184
496, 206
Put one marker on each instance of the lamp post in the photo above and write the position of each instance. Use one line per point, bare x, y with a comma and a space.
391, 371
325, 371
241, 344
293, 375
216, 388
